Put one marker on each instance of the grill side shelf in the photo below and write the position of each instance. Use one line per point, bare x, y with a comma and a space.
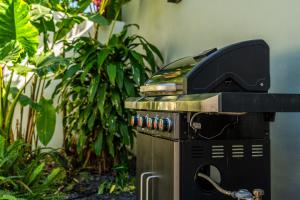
228, 102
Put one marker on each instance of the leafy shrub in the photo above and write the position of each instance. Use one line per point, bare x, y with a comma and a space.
92, 93
26, 175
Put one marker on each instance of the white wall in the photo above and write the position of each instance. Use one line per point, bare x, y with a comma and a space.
191, 26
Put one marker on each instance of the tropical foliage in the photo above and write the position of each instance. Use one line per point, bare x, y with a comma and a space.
26, 175
92, 93
93, 84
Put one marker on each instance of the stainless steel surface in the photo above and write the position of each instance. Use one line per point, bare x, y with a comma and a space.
173, 117
158, 177
163, 164
230, 103
163, 87
188, 103
144, 164
176, 172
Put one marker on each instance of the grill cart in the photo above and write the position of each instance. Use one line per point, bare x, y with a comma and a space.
203, 123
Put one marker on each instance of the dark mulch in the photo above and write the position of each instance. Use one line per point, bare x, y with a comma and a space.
87, 189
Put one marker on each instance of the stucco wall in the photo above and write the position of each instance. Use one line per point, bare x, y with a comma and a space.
191, 26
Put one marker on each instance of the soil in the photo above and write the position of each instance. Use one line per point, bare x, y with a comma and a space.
87, 189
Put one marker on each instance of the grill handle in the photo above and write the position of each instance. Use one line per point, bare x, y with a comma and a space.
147, 184
142, 183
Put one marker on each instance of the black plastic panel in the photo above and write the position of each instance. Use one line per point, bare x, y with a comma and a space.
239, 67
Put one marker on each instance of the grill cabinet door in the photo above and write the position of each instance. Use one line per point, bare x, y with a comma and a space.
163, 165
144, 165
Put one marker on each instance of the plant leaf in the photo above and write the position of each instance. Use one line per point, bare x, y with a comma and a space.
2, 146
15, 25
54, 175
10, 52
129, 86
99, 19
112, 72
46, 120
101, 98
120, 76
102, 57
98, 143
136, 74
36, 172
92, 92
125, 134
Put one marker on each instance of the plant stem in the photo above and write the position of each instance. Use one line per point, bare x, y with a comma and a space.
11, 109
113, 26
1, 97
7, 90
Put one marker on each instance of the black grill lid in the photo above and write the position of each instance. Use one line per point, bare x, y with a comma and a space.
241, 67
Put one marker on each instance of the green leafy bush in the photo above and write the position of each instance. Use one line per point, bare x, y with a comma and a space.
92, 93
26, 175
122, 182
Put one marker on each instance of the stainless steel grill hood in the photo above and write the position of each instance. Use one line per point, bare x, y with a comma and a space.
239, 67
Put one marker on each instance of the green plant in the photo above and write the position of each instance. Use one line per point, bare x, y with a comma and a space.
92, 93
19, 41
121, 182
24, 174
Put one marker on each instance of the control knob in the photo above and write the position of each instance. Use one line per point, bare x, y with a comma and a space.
165, 124
134, 120
150, 122
156, 123
142, 121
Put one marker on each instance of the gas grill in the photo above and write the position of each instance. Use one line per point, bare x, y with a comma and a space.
203, 121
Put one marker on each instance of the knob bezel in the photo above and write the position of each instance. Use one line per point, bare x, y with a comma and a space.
165, 124
142, 121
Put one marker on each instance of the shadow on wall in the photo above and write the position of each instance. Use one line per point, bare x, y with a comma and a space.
285, 131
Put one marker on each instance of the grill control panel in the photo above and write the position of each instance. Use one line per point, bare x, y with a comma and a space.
152, 123
160, 124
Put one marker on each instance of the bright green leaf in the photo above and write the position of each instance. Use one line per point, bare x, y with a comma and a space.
53, 176
99, 19
46, 120
15, 25
102, 57
36, 172
10, 52
112, 72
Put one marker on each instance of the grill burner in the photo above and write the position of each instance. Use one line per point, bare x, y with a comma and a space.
204, 117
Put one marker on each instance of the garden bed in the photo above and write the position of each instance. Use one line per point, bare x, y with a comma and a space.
87, 189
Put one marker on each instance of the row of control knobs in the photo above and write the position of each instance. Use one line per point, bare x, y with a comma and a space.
154, 123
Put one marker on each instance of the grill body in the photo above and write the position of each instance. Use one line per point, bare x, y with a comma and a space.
240, 157
207, 114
